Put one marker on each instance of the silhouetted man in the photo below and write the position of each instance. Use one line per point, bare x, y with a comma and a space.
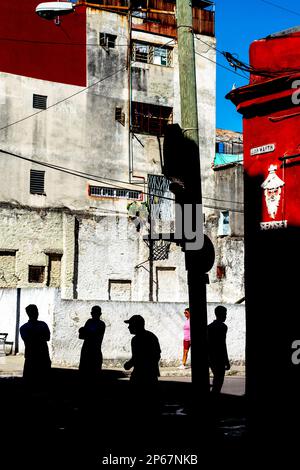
35, 335
145, 358
217, 350
91, 355
145, 352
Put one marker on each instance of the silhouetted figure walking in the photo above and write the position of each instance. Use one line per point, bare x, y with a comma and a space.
35, 335
217, 349
145, 358
91, 355
145, 350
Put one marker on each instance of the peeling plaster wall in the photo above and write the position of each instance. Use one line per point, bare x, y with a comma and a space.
110, 248
227, 186
94, 250
32, 234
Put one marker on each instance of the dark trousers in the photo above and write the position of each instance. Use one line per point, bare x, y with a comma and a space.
218, 377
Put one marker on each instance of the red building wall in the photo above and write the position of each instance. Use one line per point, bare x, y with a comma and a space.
271, 123
37, 48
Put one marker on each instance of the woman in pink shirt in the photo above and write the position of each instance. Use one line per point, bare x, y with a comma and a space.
186, 338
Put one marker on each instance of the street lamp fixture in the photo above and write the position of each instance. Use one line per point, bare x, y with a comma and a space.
53, 10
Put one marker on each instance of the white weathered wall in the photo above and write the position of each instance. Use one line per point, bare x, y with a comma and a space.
43, 298
164, 319
65, 317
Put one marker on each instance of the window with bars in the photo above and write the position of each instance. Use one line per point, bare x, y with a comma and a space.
39, 101
37, 182
150, 118
152, 54
107, 40
106, 192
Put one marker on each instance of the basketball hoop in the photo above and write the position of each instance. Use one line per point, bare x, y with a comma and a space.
161, 249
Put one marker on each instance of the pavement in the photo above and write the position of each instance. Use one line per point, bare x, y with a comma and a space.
12, 366
70, 423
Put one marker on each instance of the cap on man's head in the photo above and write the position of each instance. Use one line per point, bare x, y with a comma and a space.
135, 320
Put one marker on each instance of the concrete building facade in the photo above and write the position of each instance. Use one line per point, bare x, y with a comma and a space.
83, 108
80, 133
224, 221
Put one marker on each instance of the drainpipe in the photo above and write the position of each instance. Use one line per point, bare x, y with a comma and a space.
18, 303
129, 92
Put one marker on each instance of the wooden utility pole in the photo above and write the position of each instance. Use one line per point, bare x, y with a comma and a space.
195, 270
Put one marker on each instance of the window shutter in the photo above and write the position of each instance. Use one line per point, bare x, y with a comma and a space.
37, 182
39, 101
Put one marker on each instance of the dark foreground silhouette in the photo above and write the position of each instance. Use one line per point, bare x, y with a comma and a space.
35, 334
91, 355
217, 349
144, 361
84, 430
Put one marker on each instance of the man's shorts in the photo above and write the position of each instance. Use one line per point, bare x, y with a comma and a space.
186, 344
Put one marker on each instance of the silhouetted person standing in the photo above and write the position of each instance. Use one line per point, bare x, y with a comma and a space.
145, 358
217, 349
145, 350
35, 335
186, 338
91, 355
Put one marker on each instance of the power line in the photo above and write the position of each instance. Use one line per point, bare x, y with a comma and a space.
220, 65
78, 173
75, 94
101, 179
76, 44
280, 7
215, 48
244, 66
209, 45
64, 99
55, 43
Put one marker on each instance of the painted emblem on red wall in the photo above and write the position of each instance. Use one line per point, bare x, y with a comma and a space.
272, 189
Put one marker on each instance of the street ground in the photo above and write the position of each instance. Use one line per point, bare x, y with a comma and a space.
69, 422
13, 366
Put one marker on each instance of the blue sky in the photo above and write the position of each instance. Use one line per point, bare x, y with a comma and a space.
238, 23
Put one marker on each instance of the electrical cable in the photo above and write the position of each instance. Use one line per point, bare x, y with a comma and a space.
90, 176
280, 7
244, 66
51, 43
220, 65
101, 179
63, 100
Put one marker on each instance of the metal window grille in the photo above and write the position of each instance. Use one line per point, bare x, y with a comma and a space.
100, 191
39, 101
37, 182
152, 54
107, 40
150, 119
120, 116
36, 274
160, 198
